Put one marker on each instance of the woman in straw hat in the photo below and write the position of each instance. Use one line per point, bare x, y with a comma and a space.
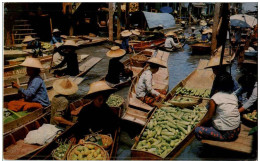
116, 69
33, 44
60, 111
144, 89
170, 44
125, 40
70, 58
56, 37
97, 116
36, 91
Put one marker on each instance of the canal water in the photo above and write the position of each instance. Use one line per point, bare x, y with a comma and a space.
180, 65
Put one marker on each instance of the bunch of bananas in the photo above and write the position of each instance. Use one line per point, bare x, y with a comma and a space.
193, 92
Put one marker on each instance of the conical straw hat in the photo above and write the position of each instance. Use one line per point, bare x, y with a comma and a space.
207, 31
115, 52
203, 23
135, 32
28, 39
214, 61
32, 62
158, 62
193, 28
99, 86
126, 33
171, 33
70, 43
55, 30
65, 87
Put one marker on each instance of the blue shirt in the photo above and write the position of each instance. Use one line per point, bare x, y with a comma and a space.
36, 91
125, 43
54, 40
204, 37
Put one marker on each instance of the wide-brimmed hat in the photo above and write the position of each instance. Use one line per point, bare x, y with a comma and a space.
175, 11
158, 62
28, 39
182, 22
70, 43
63, 36
193, 28
65, 86
170, 33
55, 30
160, 25
206, 31
135, 32
32, 62
203, 23
214, 61
126, 33
99, 86
115, 52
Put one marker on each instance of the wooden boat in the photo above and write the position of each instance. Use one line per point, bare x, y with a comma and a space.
148, 45
161, 47
191, 41
46, 152
85, 40
137, 111
201, 48
188, 81
14, 146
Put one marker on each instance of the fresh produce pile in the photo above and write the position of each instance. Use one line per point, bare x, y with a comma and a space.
251, 116
87, 152
193, 92
60, 152
46, 45
140, 58
181, 99
114, 100
167, 128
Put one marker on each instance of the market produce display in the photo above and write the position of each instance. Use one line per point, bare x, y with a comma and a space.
60, 152
46, 45
193, 92
251, 116
140, 58
115, 100
87, 151
182, 100
167, 128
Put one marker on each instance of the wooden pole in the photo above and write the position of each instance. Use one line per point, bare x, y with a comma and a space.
118, 21
127, 15
110, 27
180, 9
215, 27
51, 26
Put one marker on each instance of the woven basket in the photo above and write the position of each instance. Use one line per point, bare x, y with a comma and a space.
106, 139
137, 62
104, 154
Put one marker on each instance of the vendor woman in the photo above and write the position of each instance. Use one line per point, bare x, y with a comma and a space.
125, 40
33, 44
169, 42
56, 37
97, 116
36, 91
116, 69
144, 89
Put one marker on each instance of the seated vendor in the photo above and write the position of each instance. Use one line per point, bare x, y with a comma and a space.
60, 105
97, 116
125, 40
204, 36
144, 89
35, 96
56, 37
169, 42
70, 58
222, 121
33, 44
116, 69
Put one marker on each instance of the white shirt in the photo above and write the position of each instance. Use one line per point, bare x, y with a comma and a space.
144, 85
227, 116
252, 99
169, 43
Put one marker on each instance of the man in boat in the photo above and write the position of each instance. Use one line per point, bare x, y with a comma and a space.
70, 58
33, 44
135, 34
116, 70
56, 37
193, 35
170, 44
60, 104
35, 96
98, 115
249, 86
125, 40
144, 89
204, 36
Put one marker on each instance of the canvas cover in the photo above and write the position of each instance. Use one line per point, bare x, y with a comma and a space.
156, 19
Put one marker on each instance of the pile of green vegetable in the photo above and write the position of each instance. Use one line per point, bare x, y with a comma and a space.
193, 92
167, 128
114, 100
181, 99
251, 116
60, 152
87, 152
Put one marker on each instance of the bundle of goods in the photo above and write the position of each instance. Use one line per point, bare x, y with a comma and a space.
251, 116
193, 92
115, 100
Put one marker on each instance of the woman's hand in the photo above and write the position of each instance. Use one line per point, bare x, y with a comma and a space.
162, 96
15, 85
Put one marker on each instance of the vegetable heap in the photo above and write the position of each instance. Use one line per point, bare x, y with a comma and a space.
167, 128
60, 152
87, 152
181, 99
193, 92
114, 100
251, 116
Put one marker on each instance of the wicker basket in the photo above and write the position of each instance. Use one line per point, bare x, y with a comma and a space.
104, 154
248, 122
139, 60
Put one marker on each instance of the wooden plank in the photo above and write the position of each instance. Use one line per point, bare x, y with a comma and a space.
242, 144
89, 64
138, 103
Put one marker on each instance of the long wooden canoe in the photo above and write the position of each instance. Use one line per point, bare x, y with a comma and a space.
201, 48
137, 111
190, 81
148, 45
14, 146
46, 152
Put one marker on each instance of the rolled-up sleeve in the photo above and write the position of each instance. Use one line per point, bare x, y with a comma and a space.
32, 88
148, 83
251, 99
